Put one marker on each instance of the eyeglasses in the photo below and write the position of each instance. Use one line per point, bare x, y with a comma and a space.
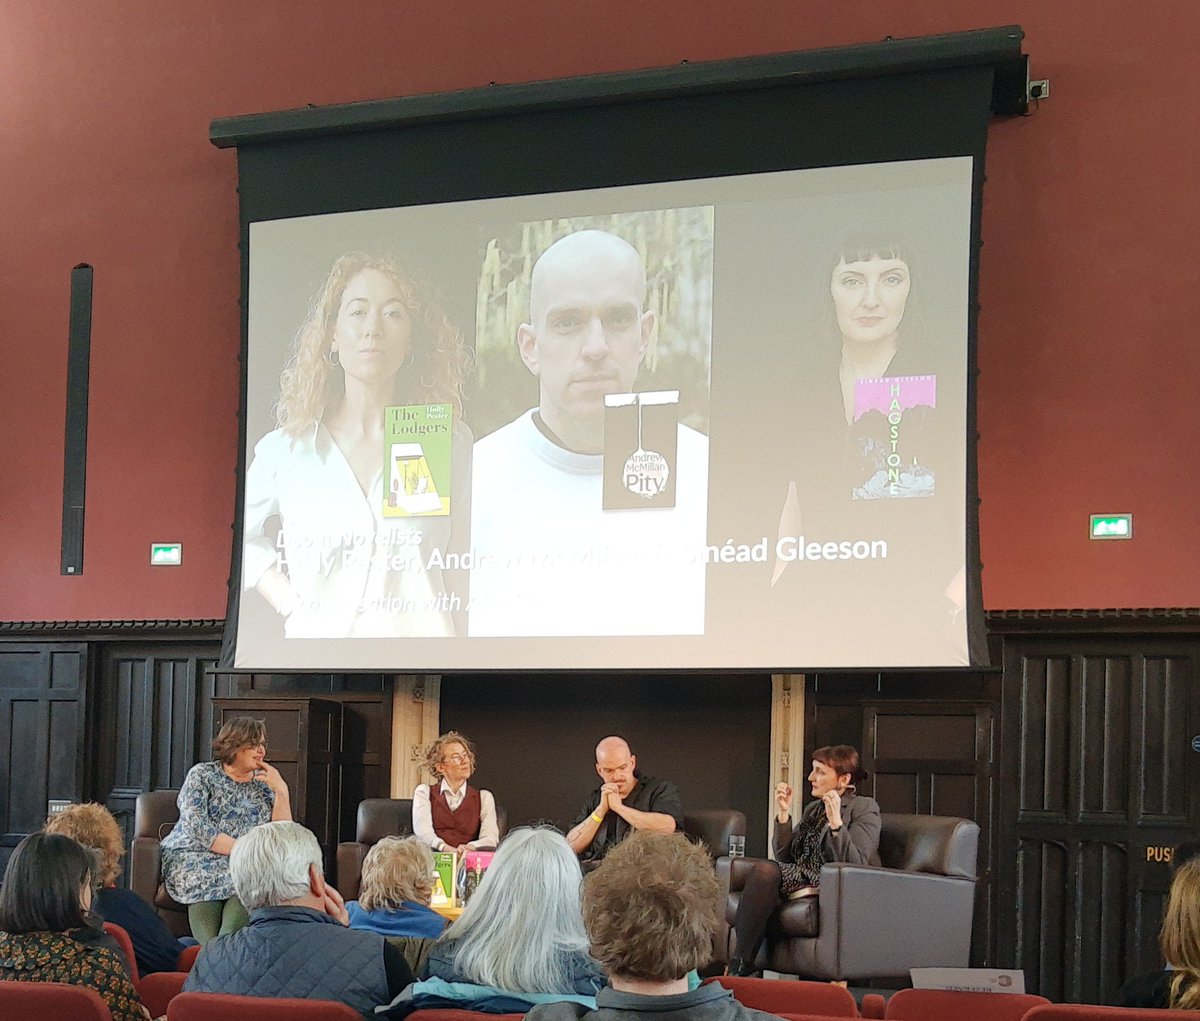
460, 758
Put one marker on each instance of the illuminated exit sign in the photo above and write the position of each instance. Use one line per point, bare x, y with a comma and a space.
166, 554
1111, 526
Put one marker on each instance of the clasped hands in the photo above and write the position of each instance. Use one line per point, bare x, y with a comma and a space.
610, 797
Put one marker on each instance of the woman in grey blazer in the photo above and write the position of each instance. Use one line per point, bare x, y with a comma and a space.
838, 825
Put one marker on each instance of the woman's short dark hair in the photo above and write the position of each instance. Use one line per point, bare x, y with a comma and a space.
42, 884
238, 733
842, 759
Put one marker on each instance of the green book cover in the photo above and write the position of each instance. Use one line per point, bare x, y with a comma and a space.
443, 885
416, 460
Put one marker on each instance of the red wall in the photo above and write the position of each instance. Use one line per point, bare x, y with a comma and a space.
1089, 269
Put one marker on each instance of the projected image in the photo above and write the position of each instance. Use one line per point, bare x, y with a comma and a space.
706, 424
364, 480
590, 487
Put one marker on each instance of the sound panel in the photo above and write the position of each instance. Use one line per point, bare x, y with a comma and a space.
79, 350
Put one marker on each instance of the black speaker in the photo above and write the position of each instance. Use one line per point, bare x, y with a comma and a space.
79, 350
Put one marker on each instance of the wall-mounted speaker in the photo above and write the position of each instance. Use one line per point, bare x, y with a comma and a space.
79, 350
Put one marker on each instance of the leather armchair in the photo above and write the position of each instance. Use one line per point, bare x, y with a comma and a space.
155, 813
914, 910
713, 827
378, 818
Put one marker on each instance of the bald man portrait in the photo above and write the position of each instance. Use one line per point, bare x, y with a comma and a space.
624, 801
549, 559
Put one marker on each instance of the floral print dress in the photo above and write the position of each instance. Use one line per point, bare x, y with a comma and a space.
210, 802
53, 957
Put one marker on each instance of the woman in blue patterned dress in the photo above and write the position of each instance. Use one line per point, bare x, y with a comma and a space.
221, 801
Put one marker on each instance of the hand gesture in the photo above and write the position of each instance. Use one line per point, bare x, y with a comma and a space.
783, 799
270, 776
611, 796
833, 808
335, 906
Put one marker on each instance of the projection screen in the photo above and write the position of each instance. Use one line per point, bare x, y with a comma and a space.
676, 383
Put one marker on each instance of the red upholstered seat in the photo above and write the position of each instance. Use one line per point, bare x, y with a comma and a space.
118, 933
948, 1005
187, 959
51, 1001
159, 989
777, 996
225, 1007
1087, 1012
453, 1014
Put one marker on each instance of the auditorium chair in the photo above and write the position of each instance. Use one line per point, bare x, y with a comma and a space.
951, 1005
155, 813
227, 1007
1088, 1012
778, 996
379, 818
118, 933
51, 1001
912, 911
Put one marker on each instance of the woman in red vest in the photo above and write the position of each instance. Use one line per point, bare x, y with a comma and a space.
451, 815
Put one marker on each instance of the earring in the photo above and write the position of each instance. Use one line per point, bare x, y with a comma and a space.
331, 357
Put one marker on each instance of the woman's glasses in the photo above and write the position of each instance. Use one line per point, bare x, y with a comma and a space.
458, 758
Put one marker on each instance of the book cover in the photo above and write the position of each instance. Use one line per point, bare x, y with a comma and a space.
416, 459
444, 870
641, 434
892, 437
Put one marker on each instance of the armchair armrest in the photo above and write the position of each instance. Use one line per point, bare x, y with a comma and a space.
878, 921
350, 856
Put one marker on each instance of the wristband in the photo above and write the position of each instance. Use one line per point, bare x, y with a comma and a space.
835, 829
597, 818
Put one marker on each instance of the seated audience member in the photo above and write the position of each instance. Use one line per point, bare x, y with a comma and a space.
45, 900
451, 815
522, 930
1178, 986
624, 801
93, 826
650, 910
397, 884
837, 825
297, 943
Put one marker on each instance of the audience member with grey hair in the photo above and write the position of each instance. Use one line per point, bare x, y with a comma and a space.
397, 886
297, 943
522, 930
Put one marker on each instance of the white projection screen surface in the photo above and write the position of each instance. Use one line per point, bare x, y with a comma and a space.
718, 421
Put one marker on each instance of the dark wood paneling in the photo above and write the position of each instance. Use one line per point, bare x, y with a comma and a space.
43, 742
1097, 735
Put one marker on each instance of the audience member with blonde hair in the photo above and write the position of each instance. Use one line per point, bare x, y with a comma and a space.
650, 909
1180, 938
522, 930
397, 884
94, 827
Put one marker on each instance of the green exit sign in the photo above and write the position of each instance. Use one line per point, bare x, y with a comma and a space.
1111, 526
166, 554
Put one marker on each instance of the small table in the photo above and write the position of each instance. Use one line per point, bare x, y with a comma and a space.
450, 910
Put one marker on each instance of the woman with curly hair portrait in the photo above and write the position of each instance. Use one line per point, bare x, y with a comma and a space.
318, 546
449, 814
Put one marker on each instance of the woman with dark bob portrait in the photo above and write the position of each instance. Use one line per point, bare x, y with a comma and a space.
45, 901
318, 545
450, 814
94, 827
219, 802
838, 825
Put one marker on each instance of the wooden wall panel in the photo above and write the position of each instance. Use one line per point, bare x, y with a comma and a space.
43, 742
1097, 734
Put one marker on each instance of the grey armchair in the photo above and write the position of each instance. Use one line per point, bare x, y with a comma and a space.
913, 911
